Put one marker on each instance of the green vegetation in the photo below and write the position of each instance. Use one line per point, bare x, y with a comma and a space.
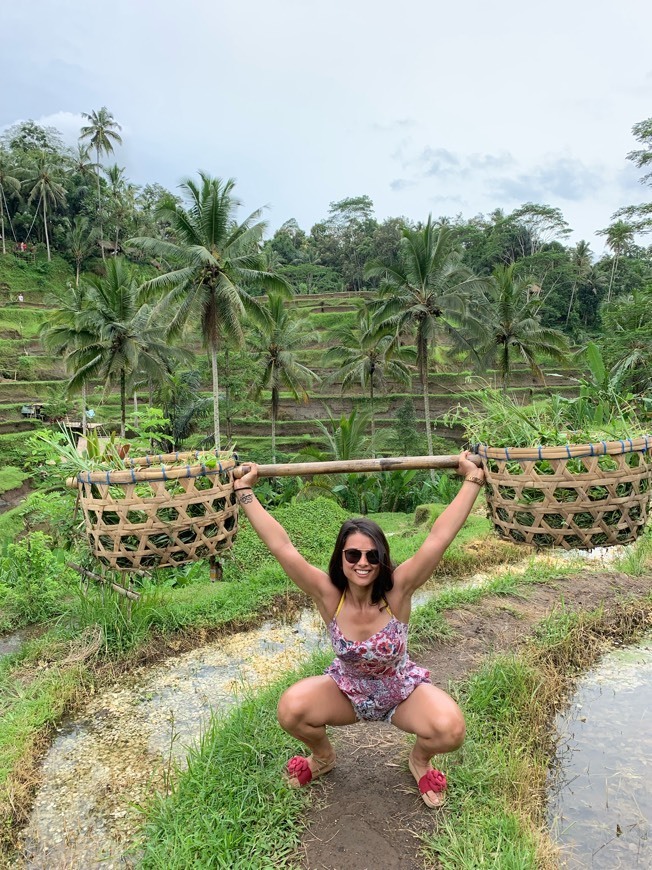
11, 478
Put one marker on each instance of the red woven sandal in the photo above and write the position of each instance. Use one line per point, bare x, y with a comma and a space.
432, 780
300, 772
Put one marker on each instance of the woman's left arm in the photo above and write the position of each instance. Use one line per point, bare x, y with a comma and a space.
418, 568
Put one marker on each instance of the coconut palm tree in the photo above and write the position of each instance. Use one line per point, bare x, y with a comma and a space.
370, 356
124, 338
618, 237
428, 290
67, 329
215, 265
275, 341
80, 241
102, 133
582, 261
9, 184
43, 181
514, 325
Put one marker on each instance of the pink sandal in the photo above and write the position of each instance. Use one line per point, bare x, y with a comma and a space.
299, 769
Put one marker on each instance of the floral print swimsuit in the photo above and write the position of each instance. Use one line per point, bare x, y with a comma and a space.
376, 674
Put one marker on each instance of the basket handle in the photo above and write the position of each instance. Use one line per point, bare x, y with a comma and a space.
401, 463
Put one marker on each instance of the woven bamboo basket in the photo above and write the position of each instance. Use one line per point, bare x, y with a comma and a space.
578, 497
154, 514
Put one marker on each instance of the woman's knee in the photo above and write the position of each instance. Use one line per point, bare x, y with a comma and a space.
292, 707
449, 727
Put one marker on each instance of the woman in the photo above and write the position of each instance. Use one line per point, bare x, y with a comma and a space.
365, 601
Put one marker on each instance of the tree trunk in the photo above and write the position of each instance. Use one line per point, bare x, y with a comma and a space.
45, 225
123, 404
504, 369
423, 371
77, 272
83, 398
99, 201
135, 408
275, 403
373, 415
611, 279
227, 395
216, 398
570, 304
2, 221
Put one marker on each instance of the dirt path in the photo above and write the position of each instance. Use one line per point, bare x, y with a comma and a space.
369, 814
13, 497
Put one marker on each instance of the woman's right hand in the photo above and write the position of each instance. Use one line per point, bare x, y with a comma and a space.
250, 479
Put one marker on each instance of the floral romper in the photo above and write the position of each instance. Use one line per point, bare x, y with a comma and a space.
375, 674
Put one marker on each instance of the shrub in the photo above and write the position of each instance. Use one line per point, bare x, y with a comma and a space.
34, 582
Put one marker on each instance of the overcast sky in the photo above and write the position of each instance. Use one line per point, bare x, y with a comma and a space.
427, 107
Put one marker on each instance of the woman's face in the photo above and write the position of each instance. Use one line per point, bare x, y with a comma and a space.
360, 560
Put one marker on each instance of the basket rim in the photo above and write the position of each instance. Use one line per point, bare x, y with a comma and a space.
154, 470
641, 444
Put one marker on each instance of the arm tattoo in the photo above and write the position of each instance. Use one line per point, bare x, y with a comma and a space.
245, 499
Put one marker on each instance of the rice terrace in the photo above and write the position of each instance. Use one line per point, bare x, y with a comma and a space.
206, 426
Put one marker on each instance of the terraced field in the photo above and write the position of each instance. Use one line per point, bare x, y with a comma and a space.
29, 375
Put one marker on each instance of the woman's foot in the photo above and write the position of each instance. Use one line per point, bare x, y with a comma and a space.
431, 782
301, 770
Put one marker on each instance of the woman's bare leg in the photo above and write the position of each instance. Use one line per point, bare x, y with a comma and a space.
438, 723
306, 708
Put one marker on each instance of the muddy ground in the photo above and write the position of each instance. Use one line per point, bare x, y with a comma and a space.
368, 814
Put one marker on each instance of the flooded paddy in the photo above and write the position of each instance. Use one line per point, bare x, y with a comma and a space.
102, 766
600, 809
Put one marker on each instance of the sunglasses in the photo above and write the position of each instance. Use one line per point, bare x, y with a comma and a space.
353, 556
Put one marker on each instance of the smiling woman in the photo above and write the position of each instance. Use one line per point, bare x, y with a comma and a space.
365, 602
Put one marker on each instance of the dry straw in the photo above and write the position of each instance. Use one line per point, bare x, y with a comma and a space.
162, 510
578, 496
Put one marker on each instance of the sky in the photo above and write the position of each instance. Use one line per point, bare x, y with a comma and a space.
426, 107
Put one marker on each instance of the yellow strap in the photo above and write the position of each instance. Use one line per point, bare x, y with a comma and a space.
389, 609
339, 606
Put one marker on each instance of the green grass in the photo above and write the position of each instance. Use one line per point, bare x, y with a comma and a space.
481, 828
11, 478
231, 808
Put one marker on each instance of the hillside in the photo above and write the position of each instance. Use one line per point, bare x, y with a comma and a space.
28, 375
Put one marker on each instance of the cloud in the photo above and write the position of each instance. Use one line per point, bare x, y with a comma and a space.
491, 161
437, 161
392, 126
562, 178
401, 184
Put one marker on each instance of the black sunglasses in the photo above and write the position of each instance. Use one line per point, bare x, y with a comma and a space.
353, 556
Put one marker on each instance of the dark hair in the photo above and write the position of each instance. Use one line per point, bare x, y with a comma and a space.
385, 580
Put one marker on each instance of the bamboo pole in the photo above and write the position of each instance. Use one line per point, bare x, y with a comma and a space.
339, 466
133, 596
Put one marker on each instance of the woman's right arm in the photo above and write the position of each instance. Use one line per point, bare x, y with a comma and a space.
312, 580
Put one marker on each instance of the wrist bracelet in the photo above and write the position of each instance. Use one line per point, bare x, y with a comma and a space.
470, 478
240, 488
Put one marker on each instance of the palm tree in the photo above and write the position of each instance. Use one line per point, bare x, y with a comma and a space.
369, 355
514, 325
80, 241
582, 261
102, 134
67, 330
427, 290
275, 341
44, 184
9, 183
216, 263
123, 338
618, 237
